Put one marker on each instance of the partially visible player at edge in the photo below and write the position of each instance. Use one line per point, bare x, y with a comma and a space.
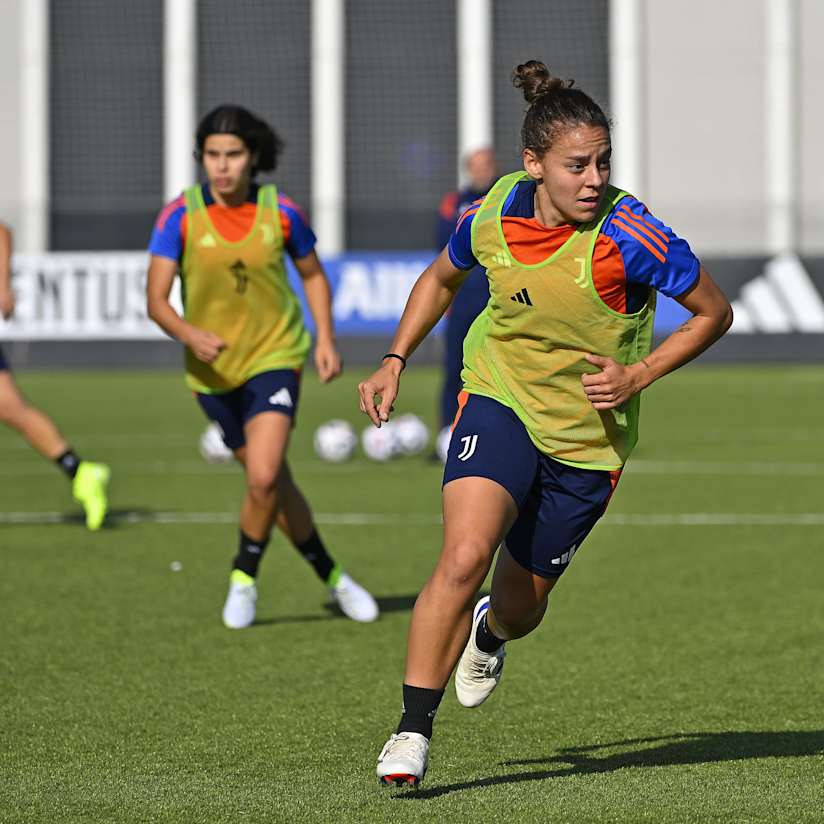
89, 480
245, 339
553, 370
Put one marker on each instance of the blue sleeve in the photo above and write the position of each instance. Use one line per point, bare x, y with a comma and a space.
653, 254
166, 238
444, 232
460, 242
301, 240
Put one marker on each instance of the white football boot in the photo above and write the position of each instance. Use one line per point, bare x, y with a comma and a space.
478, 672
354, 601
403, 760
239, 609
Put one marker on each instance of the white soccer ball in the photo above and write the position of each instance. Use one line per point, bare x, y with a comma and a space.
381, 444
335, 441
212, 447
413, 434
442, 443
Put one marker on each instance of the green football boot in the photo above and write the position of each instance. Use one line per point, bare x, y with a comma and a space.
89, 489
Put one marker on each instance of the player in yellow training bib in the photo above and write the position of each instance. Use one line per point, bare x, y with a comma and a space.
244, 337
553, 370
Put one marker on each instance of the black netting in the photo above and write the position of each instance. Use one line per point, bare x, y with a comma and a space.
570, 36
257, 54
106, 103
106, 118
401, 127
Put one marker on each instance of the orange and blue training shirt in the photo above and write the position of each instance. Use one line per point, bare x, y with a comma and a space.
233, 223
633, 252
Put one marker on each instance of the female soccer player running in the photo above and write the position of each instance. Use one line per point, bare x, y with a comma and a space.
553, 369
245, 338
89, 480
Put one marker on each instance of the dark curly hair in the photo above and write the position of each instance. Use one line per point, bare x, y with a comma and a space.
257, 134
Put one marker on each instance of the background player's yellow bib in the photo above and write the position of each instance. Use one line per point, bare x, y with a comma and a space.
527, 348
240, 291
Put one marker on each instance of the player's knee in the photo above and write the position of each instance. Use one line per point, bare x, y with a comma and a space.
462, 564
261, 485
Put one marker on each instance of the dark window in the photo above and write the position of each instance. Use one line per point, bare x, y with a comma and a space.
106, 122
257, 55
401, 126
570, 36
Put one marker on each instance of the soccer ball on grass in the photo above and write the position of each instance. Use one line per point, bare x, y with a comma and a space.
335, 441
381, 444
412, 433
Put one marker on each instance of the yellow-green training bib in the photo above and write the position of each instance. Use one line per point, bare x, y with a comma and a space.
241, 292
527, 348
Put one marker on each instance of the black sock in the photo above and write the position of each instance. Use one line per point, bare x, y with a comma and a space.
68, 462
419, 708
249, 554
314, 553
485, 639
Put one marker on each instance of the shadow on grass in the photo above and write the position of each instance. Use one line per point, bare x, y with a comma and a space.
386, 604
663, 751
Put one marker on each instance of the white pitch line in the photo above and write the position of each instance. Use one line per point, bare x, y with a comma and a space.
202, 469
718, 519
644, 467
423, 519
309, 467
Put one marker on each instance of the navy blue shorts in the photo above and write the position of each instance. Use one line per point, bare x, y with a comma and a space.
3, 362
557, 504
273, 391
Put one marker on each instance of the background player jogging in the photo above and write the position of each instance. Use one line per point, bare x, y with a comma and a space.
245, 337
89, 479
553, 368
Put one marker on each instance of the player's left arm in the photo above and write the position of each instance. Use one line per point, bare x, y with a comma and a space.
711, 317
319, 297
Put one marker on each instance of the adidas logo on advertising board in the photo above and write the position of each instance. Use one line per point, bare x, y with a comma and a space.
782, 300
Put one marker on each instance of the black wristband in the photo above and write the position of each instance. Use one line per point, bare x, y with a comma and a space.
401, 358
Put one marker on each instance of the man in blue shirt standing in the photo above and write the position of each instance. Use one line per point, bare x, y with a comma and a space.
481, 173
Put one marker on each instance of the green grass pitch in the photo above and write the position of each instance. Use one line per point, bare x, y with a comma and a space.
679, 676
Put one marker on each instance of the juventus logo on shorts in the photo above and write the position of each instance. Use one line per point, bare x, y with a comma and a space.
469, 443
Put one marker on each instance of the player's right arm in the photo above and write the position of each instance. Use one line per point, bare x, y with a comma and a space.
166, 250
162, 271
429, 299
6, 293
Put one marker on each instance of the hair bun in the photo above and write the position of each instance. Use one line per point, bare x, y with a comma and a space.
534, 80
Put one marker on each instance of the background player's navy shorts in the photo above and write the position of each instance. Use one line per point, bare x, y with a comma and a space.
3, 362
558, 504
273, 391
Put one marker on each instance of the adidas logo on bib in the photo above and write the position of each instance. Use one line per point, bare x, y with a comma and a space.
281, 398
502, 258
522, 297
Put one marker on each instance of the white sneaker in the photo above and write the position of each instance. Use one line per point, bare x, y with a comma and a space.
403, 760
478, 673
239, 609
354, 601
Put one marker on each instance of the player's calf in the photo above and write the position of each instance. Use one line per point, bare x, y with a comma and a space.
481, 665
